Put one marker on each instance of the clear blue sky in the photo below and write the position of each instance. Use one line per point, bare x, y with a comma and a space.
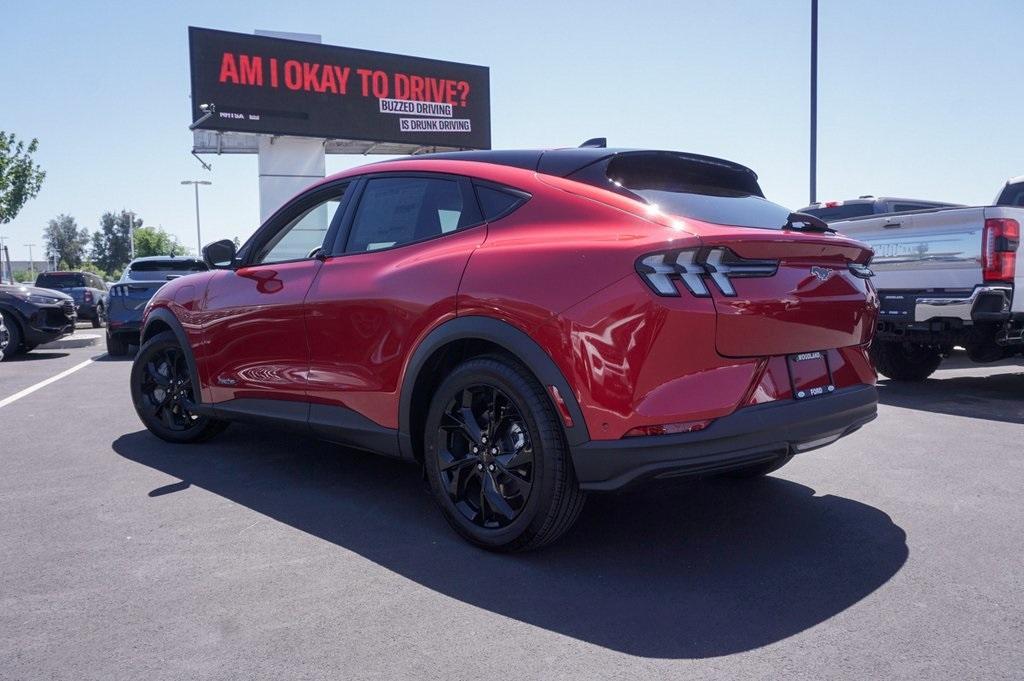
920, 99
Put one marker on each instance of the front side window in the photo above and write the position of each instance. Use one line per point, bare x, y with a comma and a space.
304, 234
398, 210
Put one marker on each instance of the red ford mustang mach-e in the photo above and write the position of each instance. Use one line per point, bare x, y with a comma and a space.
528, 326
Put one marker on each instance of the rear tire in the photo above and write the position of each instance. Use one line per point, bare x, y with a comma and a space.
13, 346
519, 490
163, 393
97, 321
759, 470
116, 345
905, 361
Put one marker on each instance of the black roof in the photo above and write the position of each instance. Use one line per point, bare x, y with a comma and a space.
565, 162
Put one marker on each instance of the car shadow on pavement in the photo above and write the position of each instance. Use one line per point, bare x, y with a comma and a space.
36, 355
702, 569
997, 397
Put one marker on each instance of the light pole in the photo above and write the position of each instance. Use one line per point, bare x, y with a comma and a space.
2, 264
814, 101
31, 262
131, 232
199, 236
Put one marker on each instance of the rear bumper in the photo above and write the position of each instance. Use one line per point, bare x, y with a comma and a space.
982, 304
748, 436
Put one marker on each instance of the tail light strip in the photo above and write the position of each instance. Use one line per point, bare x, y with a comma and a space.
691, 266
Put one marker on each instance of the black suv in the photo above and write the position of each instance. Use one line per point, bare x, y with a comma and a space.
34, 316
86, 288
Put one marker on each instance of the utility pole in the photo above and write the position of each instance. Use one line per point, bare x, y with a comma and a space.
814, 101
31, 261
131, 232
2, 265
199, 236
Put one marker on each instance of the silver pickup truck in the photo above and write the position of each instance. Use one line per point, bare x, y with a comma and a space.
946, 277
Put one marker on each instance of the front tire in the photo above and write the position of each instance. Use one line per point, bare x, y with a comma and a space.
496, 457
13, 344
905, 361
163, 393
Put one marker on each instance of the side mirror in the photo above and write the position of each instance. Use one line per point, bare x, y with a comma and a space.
220, 255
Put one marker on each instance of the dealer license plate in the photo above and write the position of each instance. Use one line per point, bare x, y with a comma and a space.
809, 375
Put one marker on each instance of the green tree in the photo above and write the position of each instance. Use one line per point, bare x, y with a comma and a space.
20, 177
65, 241
111, 244
157, 241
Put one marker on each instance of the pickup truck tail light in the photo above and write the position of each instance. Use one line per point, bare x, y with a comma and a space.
87, 296
999, 249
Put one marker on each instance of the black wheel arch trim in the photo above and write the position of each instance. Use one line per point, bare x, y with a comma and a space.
509, 338
167, 317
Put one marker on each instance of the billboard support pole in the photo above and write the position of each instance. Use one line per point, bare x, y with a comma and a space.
287, 165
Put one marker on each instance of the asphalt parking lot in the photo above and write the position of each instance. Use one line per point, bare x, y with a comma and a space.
896, 553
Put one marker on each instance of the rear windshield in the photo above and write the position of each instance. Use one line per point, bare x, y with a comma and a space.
843, 212
154, 270
724, 194
59, 281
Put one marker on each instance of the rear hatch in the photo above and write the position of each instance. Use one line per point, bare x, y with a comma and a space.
133, 295
780, 284
812, 301
66, 282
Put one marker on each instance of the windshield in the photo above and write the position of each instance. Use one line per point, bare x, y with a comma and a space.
60, 281
843, 212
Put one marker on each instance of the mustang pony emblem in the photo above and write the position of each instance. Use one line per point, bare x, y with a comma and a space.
822, 273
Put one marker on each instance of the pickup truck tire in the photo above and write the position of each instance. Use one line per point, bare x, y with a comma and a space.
905, 361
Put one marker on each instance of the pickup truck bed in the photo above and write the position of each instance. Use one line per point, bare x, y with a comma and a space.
945, 277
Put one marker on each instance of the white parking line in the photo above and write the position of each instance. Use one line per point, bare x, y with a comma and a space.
42, 384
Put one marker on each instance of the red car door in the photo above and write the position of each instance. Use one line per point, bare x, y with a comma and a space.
254, 333
394, 275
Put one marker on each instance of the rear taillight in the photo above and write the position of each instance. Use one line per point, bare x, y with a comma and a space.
999, 249
691, 266
87, 296
117, 291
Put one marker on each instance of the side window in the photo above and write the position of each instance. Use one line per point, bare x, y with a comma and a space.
496, 203
301, 237
398, 210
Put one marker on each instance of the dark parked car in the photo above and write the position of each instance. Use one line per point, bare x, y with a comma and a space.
34, 316
87, 289
832, 211
127, 298
529, 326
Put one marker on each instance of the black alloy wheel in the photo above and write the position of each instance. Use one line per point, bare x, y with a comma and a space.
485, 456
164, 395
496, 457
167, 389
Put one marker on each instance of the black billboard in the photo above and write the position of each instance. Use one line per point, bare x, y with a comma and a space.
289, 87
